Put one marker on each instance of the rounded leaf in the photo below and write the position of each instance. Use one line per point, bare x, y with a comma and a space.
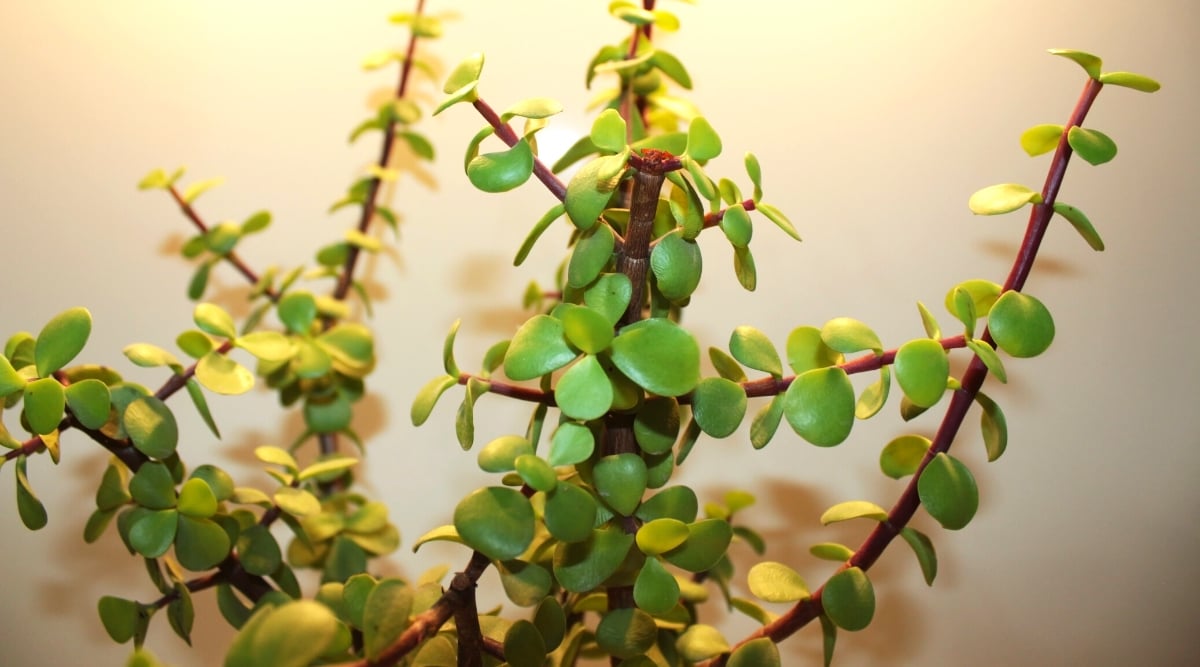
1093, 146
1002, 198
922, 368
61, 339
677, 265
223, 375
847, 335
737, 226
718, 406
89, 402
701, 642
656, 425
849, 599
45, 401
196, 499
1021, 325
706, 544
902, 456
661, 535
752, 348
853, 509
297, 310
586, 329
151, 426
571, 443
806, 350
819, 406
269, 637
258, 551
1041, 139
608, 131
703, 142
121, 617
524, 646
590, 189
677, 502
496, 521
200, 544
655, 590
609, 295
500, 455
502, 171
626, 633
584, 565
948, 492
584, 392
213, 319
151, 532
620, 481
539, 347
535, 472
761, 652
526, 584
776, 582
570, 513
658, 355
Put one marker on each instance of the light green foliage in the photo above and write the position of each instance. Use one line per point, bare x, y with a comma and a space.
496, 521
819, 406
775, 582
61, 340
1021, 325
658, 355
849, 599
1092, 145
922, 369
1002, 198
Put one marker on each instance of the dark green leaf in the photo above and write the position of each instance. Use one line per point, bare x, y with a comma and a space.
994, 426
200, 543
655, 590
718, 406
626, 633
761, 652
582, 566
923, 548
30, 509
592, 254
705, 546
948, 492
1092, 145
121, 617
849, 599
570, 513
502, 171
1081, 224
620, 481
495, 521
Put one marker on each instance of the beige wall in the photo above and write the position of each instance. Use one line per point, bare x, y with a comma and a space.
874, 121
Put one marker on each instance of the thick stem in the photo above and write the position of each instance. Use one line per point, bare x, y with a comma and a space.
633, 260
909, 501
466, 620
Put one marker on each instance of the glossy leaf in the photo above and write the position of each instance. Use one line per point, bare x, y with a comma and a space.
778, 218
609, 295
1092, 145
849, 599
853, 509
1130, 80
766, 422
718, 406
902, 456
703, 142
29, 508
428, 396
989, 358
61, 339
582, 566
571, 443
819, 406
776, 582
626, 633
584, 391
503, 170
120, 617
10, 380
994, 426
661, 535
45, 401
152, 532
658, 355
929, 322
807, 350
538, 347
495, 521
1002, 198
223, 375
608, 131
981, 293
873, 398
701, 642
848, 335
570, 513
656, 590
1041, 139
948, 492
151, 426
500, 455
1021, 325
677, 265
1090, 63
591, 187
922, 368
656, 425
196, 499
620, 481
752, 348
705, 546
269, 637
923, 548
591, 255
1081, 224
677, 502
200, 544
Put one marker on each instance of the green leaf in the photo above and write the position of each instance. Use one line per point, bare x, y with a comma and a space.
587, 329
526, 584
152, 531
464, 419
591, 187
196, 499
223, 375
500, 455
1090, 63
776, 216
678, 502
194, 343
776, 582
153, 487
766, 422
608, 131
30, 509
980, 294
848, 335
807, 350
45, 401
502, 171
705, 546
97, 523
584, 565
1002, 198
661, 535
1081, 224
1092, 145
718, 406
873, 398
1130, 80
922, 368
620, 481
428, 396
266, 345
626, 633
829, 638
385, 615
461, 83
656, 590
258, 552
853, 509
744, 268
1021, 325
671, 66
571, 443
923, 548
701, 642
948, 492
819, 406
536, 473
327, 414
214, 320
539, 227
269, 637
584, 391
200, 544
736, 225
989, 358
297, 310
524, 646
112, 492
832, 551
495, 521
191, 192
902, 456
609, 295
994, 426
725, 365
659, 356
849, 599
761, 652
592, 254
150, 356
538, 347
1041, 139
10, 380
754, 349
151, 426
570, 513
61, 340
121, 617
703, 142
181, 614
677, 265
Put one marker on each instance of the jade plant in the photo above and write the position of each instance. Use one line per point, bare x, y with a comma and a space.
599, 551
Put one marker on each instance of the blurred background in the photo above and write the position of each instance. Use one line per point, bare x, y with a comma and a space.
873, 121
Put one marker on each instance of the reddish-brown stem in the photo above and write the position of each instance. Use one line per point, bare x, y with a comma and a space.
510, 138
346, 277
232, 257
908, 502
